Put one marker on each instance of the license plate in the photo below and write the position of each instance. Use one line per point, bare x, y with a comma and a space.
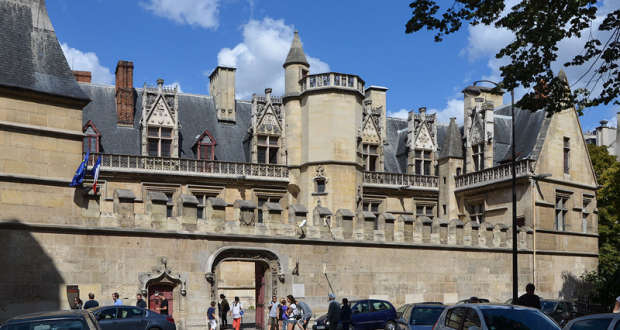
320, 327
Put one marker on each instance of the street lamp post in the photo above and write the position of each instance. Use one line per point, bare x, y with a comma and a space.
515, 269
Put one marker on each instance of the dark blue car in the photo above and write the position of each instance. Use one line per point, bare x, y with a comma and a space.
419, 316
367, 314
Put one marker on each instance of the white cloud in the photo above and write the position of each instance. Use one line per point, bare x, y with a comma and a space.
202, 13
174, 84
260, 56
402, 113
80, 61
454, 109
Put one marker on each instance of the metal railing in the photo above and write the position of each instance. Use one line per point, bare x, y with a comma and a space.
497, 173
130, 163
397, 179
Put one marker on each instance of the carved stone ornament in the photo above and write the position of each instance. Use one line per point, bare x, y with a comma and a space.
489, 137
161, 274
320, 174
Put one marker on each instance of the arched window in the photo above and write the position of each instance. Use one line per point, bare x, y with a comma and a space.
91, 140
206, 146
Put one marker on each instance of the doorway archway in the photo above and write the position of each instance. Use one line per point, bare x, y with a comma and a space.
268, 273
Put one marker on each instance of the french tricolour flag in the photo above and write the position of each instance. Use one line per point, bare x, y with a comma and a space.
95, 173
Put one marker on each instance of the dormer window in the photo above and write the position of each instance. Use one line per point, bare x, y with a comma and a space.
206, 146
423, 162
91, 140
478, 156
370, 153
267, 148
160, 141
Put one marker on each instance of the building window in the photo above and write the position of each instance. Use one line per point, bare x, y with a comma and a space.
370, 154
478, 156
561, 210
261, 202
206, 147
425, 211
160, 141
371, 207
320, 186
267, 148
585, 214
91, 140
170, 205
476, 212
444, 210
566, 155
422, 162
458, 171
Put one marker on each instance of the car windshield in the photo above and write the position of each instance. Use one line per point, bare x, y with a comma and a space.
425, 315
511, 319
47, 325
548, 306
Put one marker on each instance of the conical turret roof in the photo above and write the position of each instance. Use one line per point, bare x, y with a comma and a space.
452, 144
296, 54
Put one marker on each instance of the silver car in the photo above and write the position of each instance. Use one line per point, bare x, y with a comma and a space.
493, 317
597, 322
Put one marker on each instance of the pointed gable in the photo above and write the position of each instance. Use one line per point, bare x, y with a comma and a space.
453, 142
370, 133
296, 54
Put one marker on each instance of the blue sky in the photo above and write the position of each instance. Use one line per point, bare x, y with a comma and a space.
182, 41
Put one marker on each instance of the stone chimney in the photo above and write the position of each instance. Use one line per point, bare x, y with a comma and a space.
268, 95
222, 88
160, 86
82, 76
124, 93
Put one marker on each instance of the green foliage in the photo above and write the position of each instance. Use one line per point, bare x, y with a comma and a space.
539, 26
606, 279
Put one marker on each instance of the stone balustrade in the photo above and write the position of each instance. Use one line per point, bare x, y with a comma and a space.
332, 79
401, 180
163, 165
494, 174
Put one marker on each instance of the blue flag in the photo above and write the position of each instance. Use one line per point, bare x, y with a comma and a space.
81, 172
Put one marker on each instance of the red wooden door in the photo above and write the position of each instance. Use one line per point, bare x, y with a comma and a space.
260, 296
154, 300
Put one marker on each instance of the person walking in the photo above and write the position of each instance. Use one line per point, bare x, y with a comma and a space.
117, 302
294, 313
91, 301
617, 305
224, 308
163, 305
273, 313
333, 312
345, 314
78, 303
307, 314
211, 316
236, 312
139, 301
529, 299
282, 315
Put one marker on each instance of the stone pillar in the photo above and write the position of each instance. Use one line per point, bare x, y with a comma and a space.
272, 214
470, 233
345, 221
244, 217
439, 234
156, 208
124, 207
296, 214
216, 214
321, 220
455, 232
389, 224
499, 235
365, 227
406, 222
485, 238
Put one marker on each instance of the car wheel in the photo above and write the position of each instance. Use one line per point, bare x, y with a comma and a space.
390, 325
154, 329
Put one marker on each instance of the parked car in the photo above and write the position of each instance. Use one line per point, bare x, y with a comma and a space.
466, 301
493, 317
131, 317
367, 314
57, 320
419, 316
598, 322
561, 311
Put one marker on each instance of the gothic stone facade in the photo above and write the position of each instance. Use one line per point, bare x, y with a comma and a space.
406, 210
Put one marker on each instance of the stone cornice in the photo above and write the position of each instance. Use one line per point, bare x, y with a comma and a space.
41, 130
8, 177
37, 96
570, 233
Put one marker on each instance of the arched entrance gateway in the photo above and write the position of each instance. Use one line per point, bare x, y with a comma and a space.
268, 272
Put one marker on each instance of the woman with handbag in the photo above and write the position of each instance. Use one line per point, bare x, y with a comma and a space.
294, 313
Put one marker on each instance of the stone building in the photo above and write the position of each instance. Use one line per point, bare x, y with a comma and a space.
203, 194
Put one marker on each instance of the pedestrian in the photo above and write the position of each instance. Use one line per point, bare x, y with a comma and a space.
345, 314
225, 307
617, 305
139, 301
91, 301
78, 303
333, 312
236, 312
282, 315
211, 316
307, 313
529, 299
293, 313
474, 300
163, 305
116, 300
273, 313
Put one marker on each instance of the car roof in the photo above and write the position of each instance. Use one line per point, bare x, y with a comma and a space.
66, 314
115, 306
554, 300
486, 306
427, 304
599, 316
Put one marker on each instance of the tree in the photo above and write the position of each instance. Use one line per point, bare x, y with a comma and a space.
538, 26
606, 278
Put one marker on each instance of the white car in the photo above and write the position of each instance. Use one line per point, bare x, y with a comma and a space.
597, 322
493, 317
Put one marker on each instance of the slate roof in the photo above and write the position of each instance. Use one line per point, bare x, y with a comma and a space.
296, 54
528, 125
452, 145
395, 152
31, 55
196, 114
